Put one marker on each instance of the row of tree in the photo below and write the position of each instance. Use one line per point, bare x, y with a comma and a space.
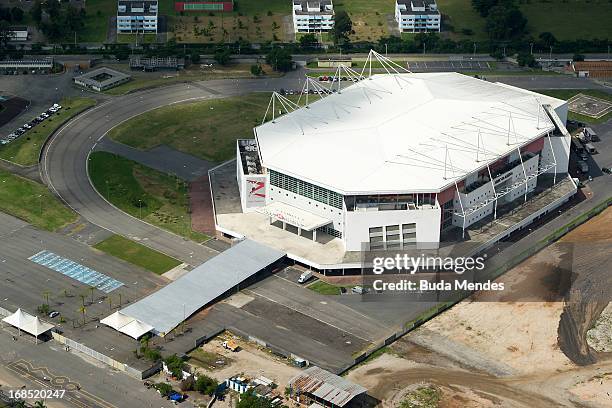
58, 20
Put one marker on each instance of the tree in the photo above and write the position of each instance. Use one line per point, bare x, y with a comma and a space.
483, 6
164, 389
175, 365
578, 57
188, 384
505, 23
40, 404
222, 56
205, 385
250, 400
548, 39
256, 70
195, 57
309, 41
526, 59
280, 59
36, 12
342, 27
17, 15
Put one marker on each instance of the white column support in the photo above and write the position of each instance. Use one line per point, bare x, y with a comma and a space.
552, 151
524, 171
462, 210
314, 235
284, 225
494, 192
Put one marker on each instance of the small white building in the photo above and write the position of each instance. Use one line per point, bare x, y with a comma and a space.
313, 15
18, 33
137, 16
416, 16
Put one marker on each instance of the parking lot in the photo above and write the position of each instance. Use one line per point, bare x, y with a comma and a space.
29, 285
29, 125
450, 66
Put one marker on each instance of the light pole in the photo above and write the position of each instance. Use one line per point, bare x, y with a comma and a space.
474, 49
531, 48
550, 54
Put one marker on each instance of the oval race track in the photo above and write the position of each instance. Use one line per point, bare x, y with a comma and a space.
64, 161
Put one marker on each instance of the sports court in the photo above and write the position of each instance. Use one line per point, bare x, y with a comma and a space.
76, 271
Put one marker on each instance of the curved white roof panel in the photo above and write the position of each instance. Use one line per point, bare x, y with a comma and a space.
393, 133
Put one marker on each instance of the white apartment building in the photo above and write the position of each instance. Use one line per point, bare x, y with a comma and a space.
137, 16
416, 16
313, 15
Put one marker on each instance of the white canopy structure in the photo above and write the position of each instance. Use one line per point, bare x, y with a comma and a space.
126, 325
28, 323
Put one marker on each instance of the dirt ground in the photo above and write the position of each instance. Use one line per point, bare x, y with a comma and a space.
249, 361
526, 349
215, 29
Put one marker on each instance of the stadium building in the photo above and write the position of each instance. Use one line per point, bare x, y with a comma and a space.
402, 159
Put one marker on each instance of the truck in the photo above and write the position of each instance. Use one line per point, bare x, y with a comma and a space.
230, 345
304, 277
590, 148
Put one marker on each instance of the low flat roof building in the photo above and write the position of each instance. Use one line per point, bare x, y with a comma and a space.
18, 33
316, 385
102, 79
592, 69
28, 63
155, 63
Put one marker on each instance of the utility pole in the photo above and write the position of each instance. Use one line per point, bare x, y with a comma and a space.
385, 49
474, 49
531, 47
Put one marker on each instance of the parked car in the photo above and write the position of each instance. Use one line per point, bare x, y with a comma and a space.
53, 314
360, 290
606, 170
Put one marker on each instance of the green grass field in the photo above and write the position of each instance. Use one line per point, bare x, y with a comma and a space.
566, 94
96, 22
144, 193
26, 149
206, 129
137, 254
324, 288
567, 20
32, 202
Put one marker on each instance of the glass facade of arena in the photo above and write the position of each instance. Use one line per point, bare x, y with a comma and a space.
305, 189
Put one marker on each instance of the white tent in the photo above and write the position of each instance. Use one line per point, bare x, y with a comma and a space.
136, 329
28, 323
127, 325
117, 320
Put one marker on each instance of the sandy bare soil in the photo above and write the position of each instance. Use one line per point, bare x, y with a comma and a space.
250, 361
504, 349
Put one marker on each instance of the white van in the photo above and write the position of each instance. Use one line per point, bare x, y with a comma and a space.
304, 277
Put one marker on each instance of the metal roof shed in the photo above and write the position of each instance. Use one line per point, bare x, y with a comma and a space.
325, 387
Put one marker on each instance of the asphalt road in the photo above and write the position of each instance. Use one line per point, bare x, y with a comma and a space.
64, 165
88, 384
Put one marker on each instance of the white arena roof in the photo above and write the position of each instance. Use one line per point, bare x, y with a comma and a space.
393, 133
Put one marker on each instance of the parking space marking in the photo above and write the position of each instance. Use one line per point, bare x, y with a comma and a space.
27, 370
76, 271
